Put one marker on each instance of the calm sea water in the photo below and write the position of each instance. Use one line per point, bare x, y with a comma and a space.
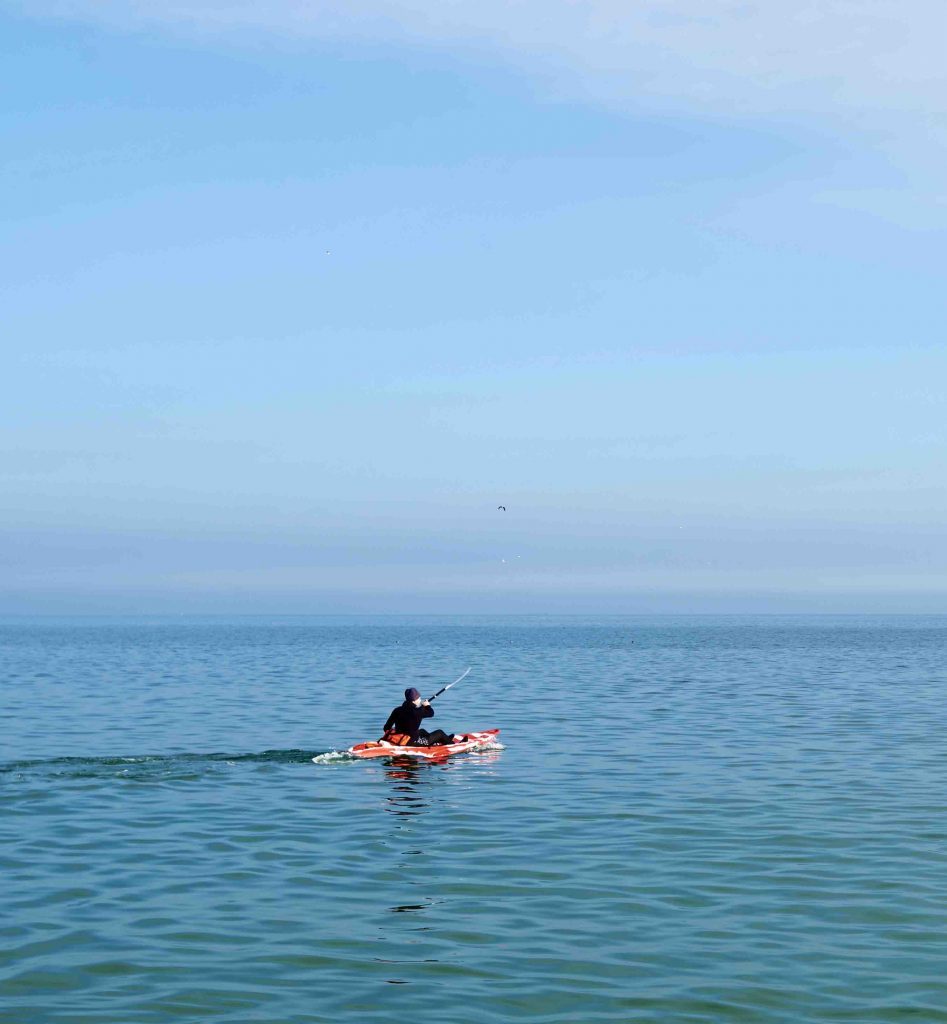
691, 819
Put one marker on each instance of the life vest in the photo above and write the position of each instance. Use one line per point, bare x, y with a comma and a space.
398, 739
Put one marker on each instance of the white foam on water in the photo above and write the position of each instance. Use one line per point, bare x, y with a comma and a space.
334, 757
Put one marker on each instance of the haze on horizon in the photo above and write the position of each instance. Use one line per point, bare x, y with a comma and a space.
297, 296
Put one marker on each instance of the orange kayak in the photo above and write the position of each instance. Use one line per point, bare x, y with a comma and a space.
382, 748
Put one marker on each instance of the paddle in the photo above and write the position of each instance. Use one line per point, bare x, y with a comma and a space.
443, 689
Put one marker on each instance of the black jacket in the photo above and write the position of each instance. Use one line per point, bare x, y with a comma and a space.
407, 718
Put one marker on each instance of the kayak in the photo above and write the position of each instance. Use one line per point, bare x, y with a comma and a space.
382, 748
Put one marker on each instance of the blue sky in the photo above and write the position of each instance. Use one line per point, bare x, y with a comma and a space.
293, 300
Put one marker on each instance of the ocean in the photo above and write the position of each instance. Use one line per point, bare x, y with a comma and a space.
687, 819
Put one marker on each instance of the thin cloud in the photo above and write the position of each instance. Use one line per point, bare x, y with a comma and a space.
746, 57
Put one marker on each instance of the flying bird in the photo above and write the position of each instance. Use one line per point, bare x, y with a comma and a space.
501, 508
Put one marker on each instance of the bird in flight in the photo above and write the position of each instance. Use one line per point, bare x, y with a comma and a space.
501, 508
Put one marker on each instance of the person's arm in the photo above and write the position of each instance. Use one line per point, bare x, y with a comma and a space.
426, 710
391, 721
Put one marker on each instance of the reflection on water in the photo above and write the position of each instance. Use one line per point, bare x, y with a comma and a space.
422, 796
409, 777
406, 795
408, 798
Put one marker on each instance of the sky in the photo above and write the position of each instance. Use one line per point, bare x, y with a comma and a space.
296, 295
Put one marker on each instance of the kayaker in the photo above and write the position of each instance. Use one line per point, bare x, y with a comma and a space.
403, 727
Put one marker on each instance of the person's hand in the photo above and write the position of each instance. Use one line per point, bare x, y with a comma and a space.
425, 703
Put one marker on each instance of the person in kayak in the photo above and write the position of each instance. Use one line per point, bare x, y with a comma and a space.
403, 727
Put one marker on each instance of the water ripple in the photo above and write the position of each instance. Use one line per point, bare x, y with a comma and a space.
702, 821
